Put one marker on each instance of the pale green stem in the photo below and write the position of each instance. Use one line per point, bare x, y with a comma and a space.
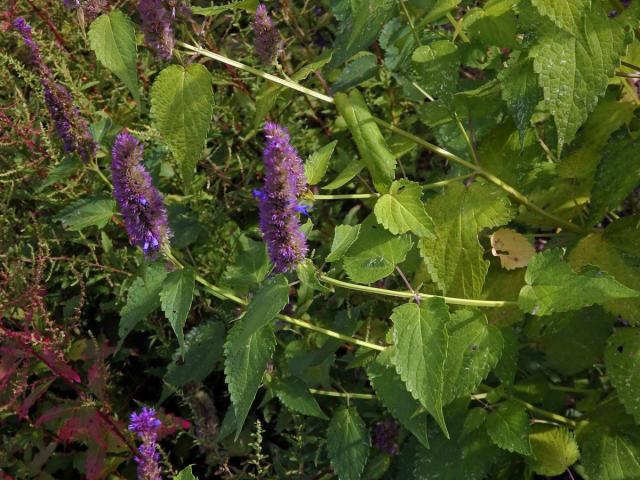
544, 413
631, 65
429, 146
348, 395
410, 20
467, 139
448, 181
346, 196
102, 176
411, 295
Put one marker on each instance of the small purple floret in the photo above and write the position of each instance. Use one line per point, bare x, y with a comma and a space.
284, 183
145, 425
268, 43
384, 434
140, 203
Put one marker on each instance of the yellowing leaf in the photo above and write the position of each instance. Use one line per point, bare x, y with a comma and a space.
514, 249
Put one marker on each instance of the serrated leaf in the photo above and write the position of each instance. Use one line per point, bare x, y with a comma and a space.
295, 395
348, 443
316, 166
454, 257
493, 25
375, 254
554, 450
343, 237
185, 474
616, 175
574, 69
181, 109
474, 348
366, 134
421, 346
87, 212
436, 66
356, 71
308, 275
552, 286
251, 265
566, 14
345, 176
272, 297
142, 299
176, 296
67, 167
508, 427
507, 366
521, 93
113, 39
393, 394
401, 210
622, 359
202, 350
617, 252
609, 455
246, 358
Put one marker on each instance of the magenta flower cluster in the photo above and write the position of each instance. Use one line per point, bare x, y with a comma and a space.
139, 201
145, 425
284, 183
268, 42
69, 124
156, 21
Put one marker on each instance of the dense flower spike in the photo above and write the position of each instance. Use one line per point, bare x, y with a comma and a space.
267, 37
70, 126
384, 434
284, 183
156, 21
145, 425
141, 204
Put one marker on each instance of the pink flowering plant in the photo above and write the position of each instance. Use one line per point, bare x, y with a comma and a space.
351, 239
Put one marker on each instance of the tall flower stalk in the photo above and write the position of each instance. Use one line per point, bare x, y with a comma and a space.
268, 42
69, 124
284, 183
145, 425
140, 202
156, 21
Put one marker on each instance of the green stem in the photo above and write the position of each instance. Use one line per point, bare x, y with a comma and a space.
346, 196
411, 24
410, 295
102, 176
467, 139
631, 65
545, 413
348, 395
429, 146
627, 75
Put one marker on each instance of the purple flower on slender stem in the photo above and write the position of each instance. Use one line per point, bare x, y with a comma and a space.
145, 425
384, 434
70, 126
140, 203
156, 21
284, 183
267, 37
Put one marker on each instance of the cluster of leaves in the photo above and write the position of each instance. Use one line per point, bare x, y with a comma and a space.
470, 304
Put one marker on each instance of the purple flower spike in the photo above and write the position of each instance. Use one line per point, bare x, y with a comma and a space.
284, 183
385, 434
267, 42
70, 126
156, 17
140, 203
145, 425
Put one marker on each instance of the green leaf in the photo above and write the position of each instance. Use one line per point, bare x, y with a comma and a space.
375, 254
176, 296
343, 238
185, 474
202, 350
87, 212
617, 252
246, 358
554, 450
421, 346
113, 39
372, 146
521, 93
67, 167
181, 109
272, 297
247, 5
295, 395
437, 9
360, 27
574, 69
622, 359
142, 299
316, 166
393, 394
357, 71
348, 443
454, 256
251, 265
552, 286
493, 25
508, 427
474, 348
610, 455
401, 210
566, 14
345, 175
308, 274
616, 175
436, 66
